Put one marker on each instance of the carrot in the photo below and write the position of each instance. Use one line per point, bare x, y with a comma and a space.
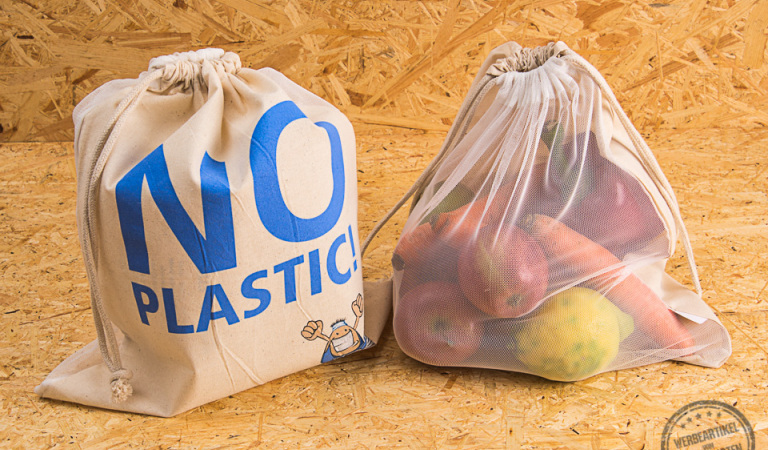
567, 248
410, 250
461, 226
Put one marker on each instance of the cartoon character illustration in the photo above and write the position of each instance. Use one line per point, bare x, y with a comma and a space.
343, 339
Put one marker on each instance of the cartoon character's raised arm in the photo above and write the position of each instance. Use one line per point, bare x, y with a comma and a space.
343, 339
357, 308
313, 330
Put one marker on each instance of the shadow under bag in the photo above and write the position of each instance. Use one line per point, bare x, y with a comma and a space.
538, 237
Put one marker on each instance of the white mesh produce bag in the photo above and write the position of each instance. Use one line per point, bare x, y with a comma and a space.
539, 235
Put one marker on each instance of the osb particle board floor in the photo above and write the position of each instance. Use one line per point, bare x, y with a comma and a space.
381, 398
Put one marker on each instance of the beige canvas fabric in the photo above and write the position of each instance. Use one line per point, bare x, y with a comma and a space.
217, 208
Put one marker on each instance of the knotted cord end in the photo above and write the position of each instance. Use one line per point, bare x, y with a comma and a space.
121, 386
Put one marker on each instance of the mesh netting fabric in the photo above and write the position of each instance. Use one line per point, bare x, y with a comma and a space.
525, 248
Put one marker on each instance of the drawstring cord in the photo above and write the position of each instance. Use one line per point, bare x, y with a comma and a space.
177, 69
110, 353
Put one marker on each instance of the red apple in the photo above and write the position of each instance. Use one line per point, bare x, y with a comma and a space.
504, 274
436, 325
619, 215
438, 262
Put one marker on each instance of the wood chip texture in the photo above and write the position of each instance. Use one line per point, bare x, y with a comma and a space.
691, 75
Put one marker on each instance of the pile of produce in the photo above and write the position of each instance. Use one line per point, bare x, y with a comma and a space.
535, 272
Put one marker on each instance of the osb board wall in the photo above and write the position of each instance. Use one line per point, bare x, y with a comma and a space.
691, 75
685, 63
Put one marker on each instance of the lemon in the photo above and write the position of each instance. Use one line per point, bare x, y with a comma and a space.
573, 335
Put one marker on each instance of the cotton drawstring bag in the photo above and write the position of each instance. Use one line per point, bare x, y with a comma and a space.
217, 210
538, 237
